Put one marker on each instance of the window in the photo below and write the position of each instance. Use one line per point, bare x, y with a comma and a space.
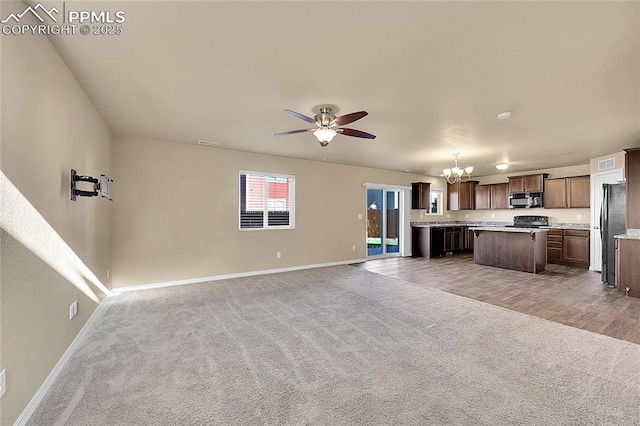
266, 201
436, 202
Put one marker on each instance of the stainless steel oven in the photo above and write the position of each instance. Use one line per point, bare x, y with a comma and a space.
527, 200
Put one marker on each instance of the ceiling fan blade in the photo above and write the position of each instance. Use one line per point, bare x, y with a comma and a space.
290, 132
350, 118
300, 116
356, 133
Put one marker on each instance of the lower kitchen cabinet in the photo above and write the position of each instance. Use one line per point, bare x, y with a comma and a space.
436, 241
453, 238
470, 240
568, 247
627, 266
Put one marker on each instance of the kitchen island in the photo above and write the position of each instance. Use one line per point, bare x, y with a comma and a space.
519, 249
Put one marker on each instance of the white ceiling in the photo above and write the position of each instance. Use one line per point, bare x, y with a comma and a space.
432, 75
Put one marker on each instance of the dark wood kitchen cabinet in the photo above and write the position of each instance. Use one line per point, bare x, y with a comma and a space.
494, 196
421, 196
482, 197
555, 194
632, 173
500, 196
436, 241
453, 238
527, 183
627, 266
491, 197
579, 192
460, 196
568, 247
470, 240
569, 192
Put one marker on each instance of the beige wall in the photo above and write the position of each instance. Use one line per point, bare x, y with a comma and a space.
48, 126
618, 158
176, 212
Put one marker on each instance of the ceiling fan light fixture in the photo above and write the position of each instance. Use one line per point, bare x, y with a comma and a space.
324, 135
502, 166
504, 115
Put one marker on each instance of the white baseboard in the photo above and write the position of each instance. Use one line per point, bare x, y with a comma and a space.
151, 286
44, 388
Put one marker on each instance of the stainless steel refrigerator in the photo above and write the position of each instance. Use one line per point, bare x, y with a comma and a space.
612, 222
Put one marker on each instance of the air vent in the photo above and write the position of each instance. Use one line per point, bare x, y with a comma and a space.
207, 143
609, 163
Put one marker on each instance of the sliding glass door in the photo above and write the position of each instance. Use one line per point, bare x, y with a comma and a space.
383, 222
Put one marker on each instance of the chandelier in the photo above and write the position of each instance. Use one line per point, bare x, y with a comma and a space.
456, 174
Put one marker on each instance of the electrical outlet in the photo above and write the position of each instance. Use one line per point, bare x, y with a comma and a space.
108, 272
493, 216
466, 216
421, 215
353, 248
3, 382
448, 215
579, 217
360, 216
278, 255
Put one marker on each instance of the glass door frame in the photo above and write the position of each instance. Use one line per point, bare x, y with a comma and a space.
404, 231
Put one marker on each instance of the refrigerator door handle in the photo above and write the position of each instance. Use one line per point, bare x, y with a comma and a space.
603, 210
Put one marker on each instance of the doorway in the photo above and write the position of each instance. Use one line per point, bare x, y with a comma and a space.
386, 221
597, 180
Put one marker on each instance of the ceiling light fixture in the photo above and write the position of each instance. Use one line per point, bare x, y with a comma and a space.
502, 166
324, 135
504, 115
456, 174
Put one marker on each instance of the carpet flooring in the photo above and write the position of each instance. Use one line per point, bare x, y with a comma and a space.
336, 346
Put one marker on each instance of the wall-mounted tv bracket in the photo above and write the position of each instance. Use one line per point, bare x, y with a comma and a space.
100, 186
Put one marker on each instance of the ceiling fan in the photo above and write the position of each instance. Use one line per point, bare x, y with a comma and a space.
328, 125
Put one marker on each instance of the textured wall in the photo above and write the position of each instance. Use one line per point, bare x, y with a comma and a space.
176, 213
48, 127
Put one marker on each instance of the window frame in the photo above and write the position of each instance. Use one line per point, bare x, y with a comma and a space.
440, 197
268, 178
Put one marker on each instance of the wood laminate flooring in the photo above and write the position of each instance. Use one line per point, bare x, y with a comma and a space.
571, 296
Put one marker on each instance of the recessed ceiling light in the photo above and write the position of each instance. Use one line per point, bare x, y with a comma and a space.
502, 166
407, 170
208, 143
504, 115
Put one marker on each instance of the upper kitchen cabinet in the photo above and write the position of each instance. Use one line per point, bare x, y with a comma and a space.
493, 196
579, 192
460, 196
555, 194
500, 196
570, 192
420, 196
527, 183
632, 172
482, 197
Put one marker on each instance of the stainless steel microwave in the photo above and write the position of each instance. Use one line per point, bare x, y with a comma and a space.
527, 200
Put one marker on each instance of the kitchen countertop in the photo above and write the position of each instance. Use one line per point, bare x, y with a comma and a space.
580, 226
632, 234
505, 229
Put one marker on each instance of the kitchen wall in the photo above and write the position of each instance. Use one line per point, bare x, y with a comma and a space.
48, 126
618, 163
176, 212
555, 215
